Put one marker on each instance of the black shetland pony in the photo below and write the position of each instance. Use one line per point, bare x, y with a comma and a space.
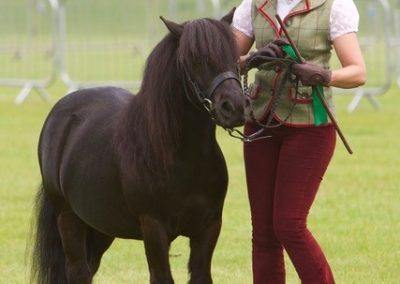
144, 167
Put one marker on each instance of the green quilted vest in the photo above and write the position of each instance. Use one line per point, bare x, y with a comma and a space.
308, 26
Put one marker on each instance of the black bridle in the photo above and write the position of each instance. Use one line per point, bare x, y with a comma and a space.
204, 98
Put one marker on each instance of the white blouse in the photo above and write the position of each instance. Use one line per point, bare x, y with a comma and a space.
344, 17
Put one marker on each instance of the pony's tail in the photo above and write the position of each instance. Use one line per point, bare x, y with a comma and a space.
48, 260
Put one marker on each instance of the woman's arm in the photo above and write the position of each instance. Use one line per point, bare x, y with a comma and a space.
244, 43
353, 71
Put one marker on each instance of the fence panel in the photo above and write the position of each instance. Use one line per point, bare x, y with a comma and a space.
98, 42
106, 42
102, 42
26, 46
85, 43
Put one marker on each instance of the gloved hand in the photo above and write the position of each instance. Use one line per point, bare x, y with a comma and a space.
311, 74
272, 49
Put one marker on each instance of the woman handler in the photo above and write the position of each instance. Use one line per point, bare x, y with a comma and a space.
284, 171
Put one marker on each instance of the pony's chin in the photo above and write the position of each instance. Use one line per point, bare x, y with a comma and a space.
231, 123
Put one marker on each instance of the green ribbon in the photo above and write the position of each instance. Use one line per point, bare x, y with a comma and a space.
320, 115
290, 51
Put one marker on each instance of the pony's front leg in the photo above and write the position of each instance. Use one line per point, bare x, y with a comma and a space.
201, 251
156, 244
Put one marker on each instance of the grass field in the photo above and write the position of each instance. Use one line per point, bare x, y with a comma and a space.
355, 218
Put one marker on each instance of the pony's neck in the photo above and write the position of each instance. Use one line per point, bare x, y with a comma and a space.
159, 120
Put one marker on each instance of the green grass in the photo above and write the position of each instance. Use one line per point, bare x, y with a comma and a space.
355, 216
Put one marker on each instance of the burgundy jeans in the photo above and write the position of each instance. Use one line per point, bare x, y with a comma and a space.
283, 176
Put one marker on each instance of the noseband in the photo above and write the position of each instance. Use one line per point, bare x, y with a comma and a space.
204, 97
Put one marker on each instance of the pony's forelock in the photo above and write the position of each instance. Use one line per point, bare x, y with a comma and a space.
207, 41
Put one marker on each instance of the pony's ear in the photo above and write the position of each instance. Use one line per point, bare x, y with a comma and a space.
228, 17
174, 28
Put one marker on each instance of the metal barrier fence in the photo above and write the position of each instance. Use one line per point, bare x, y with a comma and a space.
101, 42
26, 46
84, 43
107, 42
98, 42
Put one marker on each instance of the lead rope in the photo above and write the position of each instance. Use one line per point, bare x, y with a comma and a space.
274, 103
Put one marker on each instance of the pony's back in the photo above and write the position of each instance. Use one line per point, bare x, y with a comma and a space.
77, 138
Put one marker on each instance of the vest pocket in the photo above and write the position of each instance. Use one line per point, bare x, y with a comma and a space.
303, 95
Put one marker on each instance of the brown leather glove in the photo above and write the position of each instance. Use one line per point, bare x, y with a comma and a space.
272, 49
311, 74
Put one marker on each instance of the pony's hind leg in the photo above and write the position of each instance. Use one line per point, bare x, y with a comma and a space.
73, 237
96, 244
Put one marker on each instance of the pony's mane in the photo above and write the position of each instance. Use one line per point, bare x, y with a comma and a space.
150, 126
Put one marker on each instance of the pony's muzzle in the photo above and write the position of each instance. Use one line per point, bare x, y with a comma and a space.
230, 109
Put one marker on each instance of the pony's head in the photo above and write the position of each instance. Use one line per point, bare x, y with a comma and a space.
207, 59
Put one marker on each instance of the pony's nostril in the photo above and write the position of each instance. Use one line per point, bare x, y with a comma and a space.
227, 107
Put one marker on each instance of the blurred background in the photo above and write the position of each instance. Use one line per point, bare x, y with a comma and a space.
49, 48
94, 42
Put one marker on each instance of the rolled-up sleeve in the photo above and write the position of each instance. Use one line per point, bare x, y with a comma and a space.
344, 18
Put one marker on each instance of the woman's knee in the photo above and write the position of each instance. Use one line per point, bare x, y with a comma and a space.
289, 229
